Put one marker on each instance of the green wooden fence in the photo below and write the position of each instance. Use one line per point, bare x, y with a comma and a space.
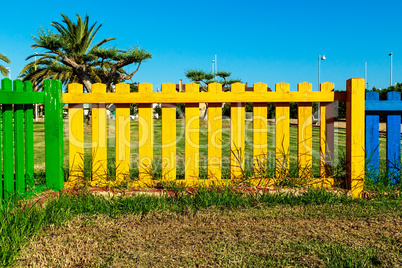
17, 154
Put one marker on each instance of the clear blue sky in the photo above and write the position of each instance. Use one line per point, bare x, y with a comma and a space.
258, 41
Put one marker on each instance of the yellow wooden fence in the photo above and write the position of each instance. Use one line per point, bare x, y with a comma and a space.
75, 98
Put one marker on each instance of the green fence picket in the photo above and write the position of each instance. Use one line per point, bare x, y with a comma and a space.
54, 135
8, 148
19, 141
29, 145
1, 159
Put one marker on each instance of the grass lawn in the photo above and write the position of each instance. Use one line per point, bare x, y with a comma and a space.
209, 228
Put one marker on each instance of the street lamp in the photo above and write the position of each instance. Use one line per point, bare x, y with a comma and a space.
35, 105
216, 66
320, 58
9, 72
390, 82
213, 65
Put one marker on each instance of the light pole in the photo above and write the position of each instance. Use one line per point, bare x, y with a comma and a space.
320, 58
9, 72
35, 105
213, 65
216, 66
390, 81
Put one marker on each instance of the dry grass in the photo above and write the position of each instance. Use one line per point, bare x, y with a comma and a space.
274, 236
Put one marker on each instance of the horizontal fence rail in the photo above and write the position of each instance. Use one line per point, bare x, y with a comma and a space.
203, 97
75, 98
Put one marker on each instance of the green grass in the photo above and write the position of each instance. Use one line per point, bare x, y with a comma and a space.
20, 221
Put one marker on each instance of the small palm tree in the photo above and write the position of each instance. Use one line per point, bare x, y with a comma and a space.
3, 70
70, 56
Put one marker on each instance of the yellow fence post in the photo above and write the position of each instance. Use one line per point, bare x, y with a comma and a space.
282, 113
305, 133
169, 135
75, 137
122, 136
192, 128
99, 137
145, 136
260, 130
215, 135
355, 127
237, 134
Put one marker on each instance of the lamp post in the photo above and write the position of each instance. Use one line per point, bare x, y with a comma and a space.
320, 58
213, 65
9, 72
216, 66
390, 81
35, 105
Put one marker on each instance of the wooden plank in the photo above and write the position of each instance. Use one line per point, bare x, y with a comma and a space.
305, 134
1, 149
330, 137
372, 139
19, 141
207, 97
145, 135
8, 142
122, 136
192, 128
282, 153
237, 133
384, 105
54, 153
169, 165
355, 147
29, 145
99, 137
326, 133
75, 136
260, 133
21, 97
215, 135
394, 140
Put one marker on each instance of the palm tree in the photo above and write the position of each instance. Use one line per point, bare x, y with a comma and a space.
70, 57
3, 70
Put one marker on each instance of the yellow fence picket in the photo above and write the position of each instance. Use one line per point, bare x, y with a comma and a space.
145, 136
75, 136
282, 113
169, 135
122, 136
237, 134
260, 130
324, 87
215, 135
99, 136
305, 134
355, 130
192, 127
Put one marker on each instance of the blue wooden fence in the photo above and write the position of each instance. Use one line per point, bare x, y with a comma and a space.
393, 109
